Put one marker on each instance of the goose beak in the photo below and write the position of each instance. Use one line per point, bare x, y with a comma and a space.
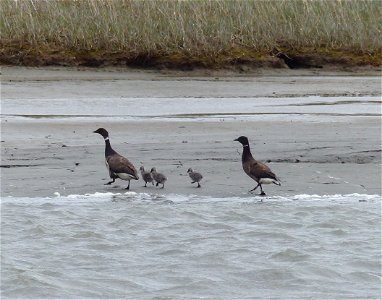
235, 140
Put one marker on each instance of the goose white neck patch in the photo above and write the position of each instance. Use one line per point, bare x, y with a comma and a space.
106, 138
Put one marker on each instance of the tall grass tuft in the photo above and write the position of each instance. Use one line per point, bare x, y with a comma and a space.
205, 30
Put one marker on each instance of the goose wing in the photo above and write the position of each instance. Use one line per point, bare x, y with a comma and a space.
119, 164
197, 176
160, 177
259, 170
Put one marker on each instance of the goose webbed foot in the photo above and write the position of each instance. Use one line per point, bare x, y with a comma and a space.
110, 182
262, 192
128, 187
254, 188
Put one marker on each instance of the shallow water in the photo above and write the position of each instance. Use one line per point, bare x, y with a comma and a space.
138, 245
189, 108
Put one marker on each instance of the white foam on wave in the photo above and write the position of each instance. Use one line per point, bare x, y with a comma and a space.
334, 197
180, 198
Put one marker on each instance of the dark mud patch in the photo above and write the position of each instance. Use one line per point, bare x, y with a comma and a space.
324, 103
361, 157
196, 159
245, 114
239, 59
18, 166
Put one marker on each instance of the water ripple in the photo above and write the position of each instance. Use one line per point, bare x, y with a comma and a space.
114, 245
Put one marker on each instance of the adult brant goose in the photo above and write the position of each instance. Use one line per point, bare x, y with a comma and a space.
258, 171
117, 165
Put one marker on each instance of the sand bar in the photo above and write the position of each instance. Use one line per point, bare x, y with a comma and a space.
320, 132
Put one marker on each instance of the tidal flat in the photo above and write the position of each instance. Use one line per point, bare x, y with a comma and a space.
323, 128
64, 234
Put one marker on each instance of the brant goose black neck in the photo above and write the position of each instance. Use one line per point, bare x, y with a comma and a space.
246, 153
108, 149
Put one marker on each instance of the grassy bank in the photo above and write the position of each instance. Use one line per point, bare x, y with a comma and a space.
189, 33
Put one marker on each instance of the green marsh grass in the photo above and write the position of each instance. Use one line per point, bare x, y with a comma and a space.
206, 33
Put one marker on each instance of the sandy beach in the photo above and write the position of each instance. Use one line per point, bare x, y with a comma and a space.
319, 132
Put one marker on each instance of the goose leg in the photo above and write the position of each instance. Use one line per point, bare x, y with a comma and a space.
262, 192
128, 187
255, 187
110, 182
199, 185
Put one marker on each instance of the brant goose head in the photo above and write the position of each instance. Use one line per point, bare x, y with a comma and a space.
258, 171
103, 132
242, 140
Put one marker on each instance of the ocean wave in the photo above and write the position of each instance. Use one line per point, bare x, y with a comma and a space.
180, 198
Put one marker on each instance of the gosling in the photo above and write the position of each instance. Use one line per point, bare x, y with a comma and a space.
146, 176
195, 177
158, 177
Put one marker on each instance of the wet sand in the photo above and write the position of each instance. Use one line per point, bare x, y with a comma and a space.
312, 154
